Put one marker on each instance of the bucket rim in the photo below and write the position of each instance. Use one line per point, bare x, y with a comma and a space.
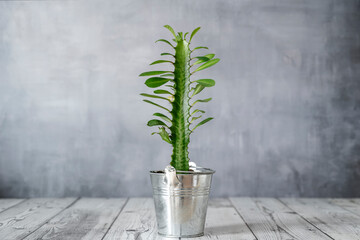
198, 171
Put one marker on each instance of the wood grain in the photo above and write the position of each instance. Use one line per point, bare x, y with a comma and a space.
136, 221
237, 218
87, 219
270, 219
352, 205
8, 203
223, 222
335, 221
20, 221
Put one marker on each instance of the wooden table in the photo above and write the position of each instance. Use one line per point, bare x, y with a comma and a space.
134, 218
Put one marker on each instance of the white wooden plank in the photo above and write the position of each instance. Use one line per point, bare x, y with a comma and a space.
26, 217
333, 220
351, 205
136, 221
270, 219
223, 222
87, 219
8, 203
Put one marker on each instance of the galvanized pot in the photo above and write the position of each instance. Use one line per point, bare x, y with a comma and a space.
181, 199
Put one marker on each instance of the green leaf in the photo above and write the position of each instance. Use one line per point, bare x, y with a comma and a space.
170, 86
193, 33
202, 100
160, 91
156, 105
156, 82
171, 30
162, 116
167, 75
163, 54
152, 73
153, 96
155, 122
161, 61
194, 118
208, 56
165, 41
164, 135
199, 48
185, 35
204, 59
206, 82
207, 64
202, 123
198, 62
180, 35
197, 110
197, 89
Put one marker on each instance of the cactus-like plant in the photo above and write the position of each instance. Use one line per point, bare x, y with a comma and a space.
180, 92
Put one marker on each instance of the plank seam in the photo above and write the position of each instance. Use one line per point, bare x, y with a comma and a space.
117, 216
232, 204
14, 205
271, 215
304, 218
48, 220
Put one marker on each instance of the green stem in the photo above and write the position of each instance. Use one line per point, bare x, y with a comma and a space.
180, 131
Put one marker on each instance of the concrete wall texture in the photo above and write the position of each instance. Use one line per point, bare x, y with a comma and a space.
286, 103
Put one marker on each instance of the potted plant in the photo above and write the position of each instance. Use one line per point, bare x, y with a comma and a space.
181, 191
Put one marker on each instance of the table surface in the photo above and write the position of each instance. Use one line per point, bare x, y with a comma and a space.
134, 218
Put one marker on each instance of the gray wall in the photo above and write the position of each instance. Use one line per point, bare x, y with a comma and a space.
287, 100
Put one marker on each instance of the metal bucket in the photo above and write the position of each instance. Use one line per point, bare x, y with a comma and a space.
181, 200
